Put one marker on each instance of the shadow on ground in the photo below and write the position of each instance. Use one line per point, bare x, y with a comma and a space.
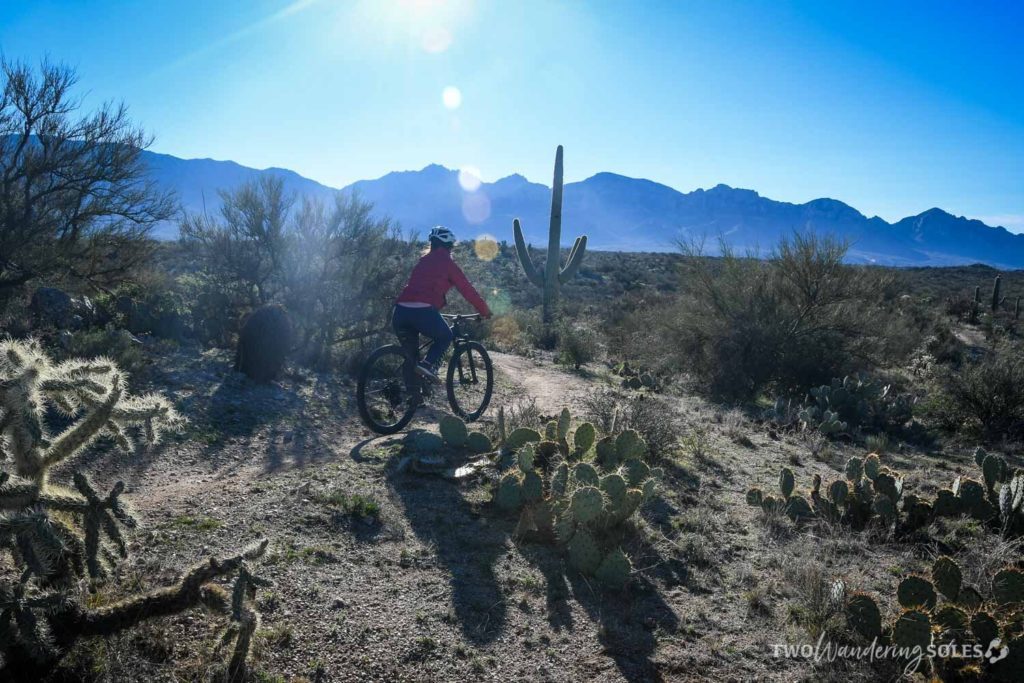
467, 544
469, 541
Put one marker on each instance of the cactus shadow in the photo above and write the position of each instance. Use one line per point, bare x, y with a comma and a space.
557, 587
465, 544
629, 622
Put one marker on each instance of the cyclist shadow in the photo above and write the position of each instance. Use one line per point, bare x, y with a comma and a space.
628, 619
466, 544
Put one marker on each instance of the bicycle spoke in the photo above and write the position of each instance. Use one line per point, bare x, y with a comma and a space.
470, 382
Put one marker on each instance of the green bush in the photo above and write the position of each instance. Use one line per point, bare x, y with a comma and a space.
118, 345
577, 345
986, 396
792, 321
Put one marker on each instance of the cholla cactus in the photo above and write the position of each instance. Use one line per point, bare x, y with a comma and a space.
93, 393
55, 534
580, 496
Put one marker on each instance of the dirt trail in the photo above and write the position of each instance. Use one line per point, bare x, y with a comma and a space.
431, 585
553, 387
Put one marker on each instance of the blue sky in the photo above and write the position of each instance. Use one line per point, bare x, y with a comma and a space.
891, 107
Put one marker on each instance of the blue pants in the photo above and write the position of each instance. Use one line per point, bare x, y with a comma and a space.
410, 323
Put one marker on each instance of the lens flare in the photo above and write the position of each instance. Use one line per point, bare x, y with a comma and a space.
486, 247
436, 39
476, 208
451, 97
500, 303
469, 178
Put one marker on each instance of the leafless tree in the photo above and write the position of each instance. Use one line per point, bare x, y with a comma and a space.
243, 248
75, 200
334, 266
343, 272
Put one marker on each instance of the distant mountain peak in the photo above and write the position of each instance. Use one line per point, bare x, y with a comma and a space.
723, 192
513, 179
437, 169
617, 212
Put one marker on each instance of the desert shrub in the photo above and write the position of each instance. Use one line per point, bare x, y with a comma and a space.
650, 416
602, 408
334, 267
213, 315
943, 346
577, 345
152, 304
243, 248
523, 412
985, 396
506, 335
790, 322
79, 207
118, 345
344, 269
263, 343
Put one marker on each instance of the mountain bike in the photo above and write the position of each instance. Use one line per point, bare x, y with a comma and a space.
390, 391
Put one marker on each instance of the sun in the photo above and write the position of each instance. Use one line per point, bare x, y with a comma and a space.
432, 25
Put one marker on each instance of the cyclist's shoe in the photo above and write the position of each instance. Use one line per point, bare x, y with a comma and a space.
428, 371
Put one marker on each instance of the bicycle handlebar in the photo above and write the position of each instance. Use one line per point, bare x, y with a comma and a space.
461, 316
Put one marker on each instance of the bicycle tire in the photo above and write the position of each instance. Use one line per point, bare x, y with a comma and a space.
368, 412
467, 350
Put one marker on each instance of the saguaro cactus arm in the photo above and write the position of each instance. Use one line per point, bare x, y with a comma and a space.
575, 260
523, 251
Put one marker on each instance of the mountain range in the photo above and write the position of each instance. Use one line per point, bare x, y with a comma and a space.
617, 213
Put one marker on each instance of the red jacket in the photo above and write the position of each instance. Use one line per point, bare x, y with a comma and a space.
431, 279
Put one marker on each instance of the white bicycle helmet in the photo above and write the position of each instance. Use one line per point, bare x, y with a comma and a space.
442, 235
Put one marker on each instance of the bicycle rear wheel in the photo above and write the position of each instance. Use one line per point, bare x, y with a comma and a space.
470, 380
386, 403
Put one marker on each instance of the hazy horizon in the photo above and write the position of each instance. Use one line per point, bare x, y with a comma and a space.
892, 110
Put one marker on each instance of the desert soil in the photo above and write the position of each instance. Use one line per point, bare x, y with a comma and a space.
434, 588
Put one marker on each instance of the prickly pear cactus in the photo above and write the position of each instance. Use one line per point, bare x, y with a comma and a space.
520, 437
863, 615
872, 466
786, 482
584, 437
453, 431
584, 555
916, 591
587, 503
478, 442
614, 570
584, 474
912, 630
948, 577
854, 469
509, 495
579, 492
1008, 587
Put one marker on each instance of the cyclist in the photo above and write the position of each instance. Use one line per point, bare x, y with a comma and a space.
417, 309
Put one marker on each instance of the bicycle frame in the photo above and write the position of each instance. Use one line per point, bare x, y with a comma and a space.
461, 335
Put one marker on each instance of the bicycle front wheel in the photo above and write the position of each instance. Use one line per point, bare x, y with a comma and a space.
386, 401
470, 380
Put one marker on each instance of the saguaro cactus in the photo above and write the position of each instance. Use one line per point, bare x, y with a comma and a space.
554, 275
997, 300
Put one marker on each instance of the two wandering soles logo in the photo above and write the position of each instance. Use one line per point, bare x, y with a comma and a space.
913, 656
